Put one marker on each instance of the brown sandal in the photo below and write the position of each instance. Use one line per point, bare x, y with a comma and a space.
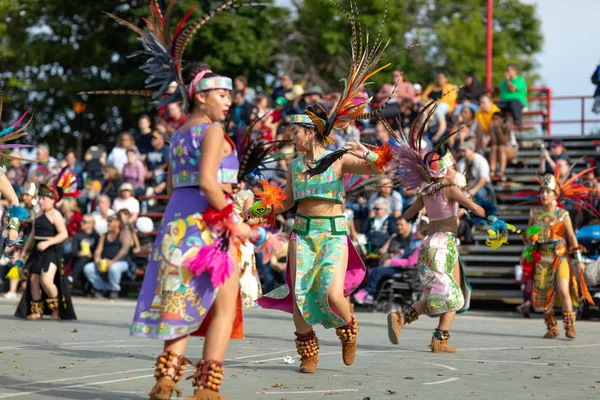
169, 370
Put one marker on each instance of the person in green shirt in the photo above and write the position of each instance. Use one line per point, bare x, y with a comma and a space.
513, 94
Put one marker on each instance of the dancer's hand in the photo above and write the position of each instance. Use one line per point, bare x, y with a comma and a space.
581, 267
41, 246
13, 234
243, 231
356, 148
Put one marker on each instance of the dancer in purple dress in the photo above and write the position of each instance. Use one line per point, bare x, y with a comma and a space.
191, 284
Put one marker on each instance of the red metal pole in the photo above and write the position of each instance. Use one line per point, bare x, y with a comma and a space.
549, 94
582, 116
490, 33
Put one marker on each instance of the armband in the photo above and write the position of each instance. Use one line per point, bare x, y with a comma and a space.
371, 157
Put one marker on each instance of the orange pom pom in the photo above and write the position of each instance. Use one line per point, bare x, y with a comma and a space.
385, 156
271, 195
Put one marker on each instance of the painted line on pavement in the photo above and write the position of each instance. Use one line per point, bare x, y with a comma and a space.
78, 377
308, 391
440, 382
58, 389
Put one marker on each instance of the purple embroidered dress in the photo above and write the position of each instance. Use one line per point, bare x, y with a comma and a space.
173, 302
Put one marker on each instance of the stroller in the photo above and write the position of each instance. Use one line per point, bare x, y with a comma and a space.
589, 237
402, 289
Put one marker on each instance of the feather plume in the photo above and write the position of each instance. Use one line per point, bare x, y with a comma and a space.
67, 182
15, 131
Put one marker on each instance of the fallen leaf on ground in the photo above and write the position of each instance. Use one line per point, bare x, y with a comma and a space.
537, 377
536, 358
390, 391
552, 364
408, 377
74, 331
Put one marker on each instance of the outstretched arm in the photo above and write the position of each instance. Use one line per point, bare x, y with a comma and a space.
414, 209
455, 194
359, 160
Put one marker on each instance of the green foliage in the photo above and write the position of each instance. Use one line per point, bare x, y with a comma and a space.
452, 34
52, 50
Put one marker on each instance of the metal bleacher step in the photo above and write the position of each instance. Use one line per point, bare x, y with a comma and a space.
490, 258
491, 281
497, 270
475, 249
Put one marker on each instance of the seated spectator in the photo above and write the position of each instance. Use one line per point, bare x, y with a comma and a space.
111, 181
548, 159
470, 93
435, 128
436, 90
513, 94
85, 242
313, 95
143, 136
407, 113
48, 162
157, 163
484, 116
240, 84
126, 200
126, 223
118, 156
286, 85
405, 247
95, 158
75, 166
110, 257
386, 193
383, 136
477, 171
404, 89
134, 173
468, 130
504, 145
418, 100
73, 218
17, 172
378, 230
173, 119
101, 214
241, 110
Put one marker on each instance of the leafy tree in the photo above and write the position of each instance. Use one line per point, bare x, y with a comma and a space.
55, 49
452, 34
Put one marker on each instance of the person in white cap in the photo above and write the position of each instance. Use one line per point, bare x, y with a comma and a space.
126, 200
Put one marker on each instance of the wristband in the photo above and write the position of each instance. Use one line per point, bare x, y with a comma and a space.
371, 157
577, 256
14, 223
262, 232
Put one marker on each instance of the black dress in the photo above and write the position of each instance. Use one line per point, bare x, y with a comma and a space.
40, 261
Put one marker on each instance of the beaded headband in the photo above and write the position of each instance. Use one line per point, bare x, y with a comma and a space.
445, 162
305, 120
216, 82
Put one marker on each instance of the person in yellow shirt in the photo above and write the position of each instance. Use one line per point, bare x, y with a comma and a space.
484, 116
436, 90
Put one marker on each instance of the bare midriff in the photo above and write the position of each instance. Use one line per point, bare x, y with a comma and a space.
319, 208
449, 224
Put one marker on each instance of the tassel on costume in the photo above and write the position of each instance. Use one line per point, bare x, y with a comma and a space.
214, 260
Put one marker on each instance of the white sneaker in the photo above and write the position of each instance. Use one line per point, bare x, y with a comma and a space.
10, 296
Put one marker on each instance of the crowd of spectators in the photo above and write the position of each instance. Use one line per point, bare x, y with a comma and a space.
103, 244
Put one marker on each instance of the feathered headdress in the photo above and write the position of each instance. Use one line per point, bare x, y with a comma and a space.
255, 155
164, 52
13, 132
416, 167
570, 192
64, 185
351, 106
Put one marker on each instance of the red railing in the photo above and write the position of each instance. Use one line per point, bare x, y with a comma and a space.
545, 99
